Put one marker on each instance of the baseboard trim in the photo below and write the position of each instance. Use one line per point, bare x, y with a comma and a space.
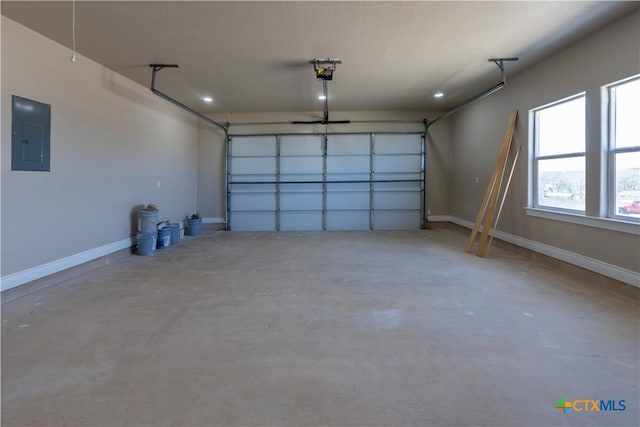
439, 218
25, 276
212, 220
609, 270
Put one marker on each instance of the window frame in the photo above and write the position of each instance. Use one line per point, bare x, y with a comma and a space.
612, 151
536, 158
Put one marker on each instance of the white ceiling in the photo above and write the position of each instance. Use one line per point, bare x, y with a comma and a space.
254, 56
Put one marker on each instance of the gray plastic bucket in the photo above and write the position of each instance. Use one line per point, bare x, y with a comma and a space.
147, 221
175, 233
164, 238
194, 227
146, 244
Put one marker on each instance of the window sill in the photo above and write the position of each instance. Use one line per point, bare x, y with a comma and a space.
606, 223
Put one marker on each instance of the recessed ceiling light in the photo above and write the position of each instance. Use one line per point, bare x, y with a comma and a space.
207, 99
322, 97
438, 95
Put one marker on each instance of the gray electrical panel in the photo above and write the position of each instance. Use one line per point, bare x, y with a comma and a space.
30, 135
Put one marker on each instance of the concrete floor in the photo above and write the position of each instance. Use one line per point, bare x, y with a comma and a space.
337, 328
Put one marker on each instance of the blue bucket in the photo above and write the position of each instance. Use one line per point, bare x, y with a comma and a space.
147, 221
164, 237
175, 233
146, 244
194, 227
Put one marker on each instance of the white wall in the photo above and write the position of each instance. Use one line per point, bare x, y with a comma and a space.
604, 57
211, 148
211, 172
112, 140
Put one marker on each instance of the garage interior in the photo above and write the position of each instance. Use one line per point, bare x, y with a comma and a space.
330, 284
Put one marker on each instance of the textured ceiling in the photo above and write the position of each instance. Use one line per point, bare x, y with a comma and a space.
254, 56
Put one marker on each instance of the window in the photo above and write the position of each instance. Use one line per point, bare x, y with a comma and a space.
559, 155
624, 149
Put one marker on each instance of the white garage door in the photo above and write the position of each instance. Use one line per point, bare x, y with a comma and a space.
349, 182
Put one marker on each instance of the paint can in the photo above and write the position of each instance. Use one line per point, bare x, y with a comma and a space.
194, 227
146, 244
164, 237
147, 221
175, 233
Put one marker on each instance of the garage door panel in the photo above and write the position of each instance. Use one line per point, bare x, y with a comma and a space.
302, 188
348, 164
399, 177
347, 200
400, 163
396, 186
252, 187
253, 165
396, 200
253, 146
301, 165
349, 144
301, 221
252, 221
347, 220
347, 179
300, 178
397, 144
301, 145
363, 181
239, 179
348, 186
300, 201
253, 202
